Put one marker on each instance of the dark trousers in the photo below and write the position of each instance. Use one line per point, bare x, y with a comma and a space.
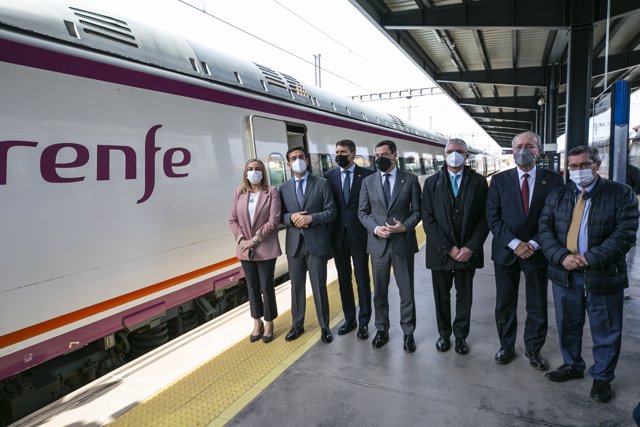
299, 264
342, 257
605, 320
507, 284
403, 273
259, 277
442, 283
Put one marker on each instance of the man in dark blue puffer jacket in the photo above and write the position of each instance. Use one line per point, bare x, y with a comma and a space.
586, 228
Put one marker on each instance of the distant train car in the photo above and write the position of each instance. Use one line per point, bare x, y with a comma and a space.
120, 147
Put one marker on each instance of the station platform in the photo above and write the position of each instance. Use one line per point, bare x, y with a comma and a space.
348, 383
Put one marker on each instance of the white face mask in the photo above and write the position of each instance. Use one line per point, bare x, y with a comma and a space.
254, 177
299, 166
582, 177
455, 159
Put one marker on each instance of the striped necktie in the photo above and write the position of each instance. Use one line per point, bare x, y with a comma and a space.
576, 221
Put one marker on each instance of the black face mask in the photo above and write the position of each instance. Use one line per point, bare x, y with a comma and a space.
342, 160
383, 163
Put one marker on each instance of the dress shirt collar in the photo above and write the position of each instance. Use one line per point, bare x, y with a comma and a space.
393, 173
351, 169
532, 173
305, 176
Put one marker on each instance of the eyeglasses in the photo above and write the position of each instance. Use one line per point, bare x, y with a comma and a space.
577, 166
300, 157
455, 151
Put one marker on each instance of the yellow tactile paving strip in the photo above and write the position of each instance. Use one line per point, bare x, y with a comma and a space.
213, 393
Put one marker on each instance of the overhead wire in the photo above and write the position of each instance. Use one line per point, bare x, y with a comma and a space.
203, 10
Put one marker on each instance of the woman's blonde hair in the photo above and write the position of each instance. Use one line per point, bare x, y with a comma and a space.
245, 185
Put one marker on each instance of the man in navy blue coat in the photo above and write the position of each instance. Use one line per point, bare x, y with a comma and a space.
349, 239
516, 197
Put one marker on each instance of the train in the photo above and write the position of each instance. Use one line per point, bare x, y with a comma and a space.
120, 146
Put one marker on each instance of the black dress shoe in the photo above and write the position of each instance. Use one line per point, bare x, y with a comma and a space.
443, 344
380, 339
363, 332
601, 391
505, 355
564, 373
536, 360
409, 344
347, 327
461, 346
254, 338
294, 333
325, 336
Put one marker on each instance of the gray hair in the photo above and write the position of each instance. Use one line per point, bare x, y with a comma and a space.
593, 152
459, 142
535, 137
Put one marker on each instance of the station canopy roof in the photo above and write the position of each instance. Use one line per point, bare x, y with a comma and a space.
494, 57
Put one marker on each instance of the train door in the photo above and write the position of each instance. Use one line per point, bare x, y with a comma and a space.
272, 138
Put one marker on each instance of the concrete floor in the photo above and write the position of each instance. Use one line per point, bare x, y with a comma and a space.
350, 383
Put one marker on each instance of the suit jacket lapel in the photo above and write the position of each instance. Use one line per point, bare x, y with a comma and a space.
307, 190
262, 200
538, 188
397, 187
335, 179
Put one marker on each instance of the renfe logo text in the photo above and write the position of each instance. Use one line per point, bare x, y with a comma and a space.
49, 164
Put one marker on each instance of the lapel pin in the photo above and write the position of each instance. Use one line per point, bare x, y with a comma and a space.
544, 182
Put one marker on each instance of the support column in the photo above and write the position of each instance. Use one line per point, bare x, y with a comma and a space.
579, 73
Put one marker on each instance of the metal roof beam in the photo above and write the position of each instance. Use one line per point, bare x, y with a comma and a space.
535, 76
482, 15
516, 103
526, 76
512, 116
507, 125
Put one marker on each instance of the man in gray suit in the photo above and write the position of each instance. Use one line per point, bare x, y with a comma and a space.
390, 210
307, 211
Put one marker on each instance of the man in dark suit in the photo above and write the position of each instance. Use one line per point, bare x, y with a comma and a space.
453, 216
516, 198
349, 239
390, 210
307, 211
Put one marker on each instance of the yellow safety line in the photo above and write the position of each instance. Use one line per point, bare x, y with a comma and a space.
215, 392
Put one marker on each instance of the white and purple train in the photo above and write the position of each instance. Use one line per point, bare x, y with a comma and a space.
120, 147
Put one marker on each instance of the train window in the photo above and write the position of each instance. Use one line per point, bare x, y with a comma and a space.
372, 162
276, 166
411, 165
439, 162
427, 165
360, 161
320, 163
238, 78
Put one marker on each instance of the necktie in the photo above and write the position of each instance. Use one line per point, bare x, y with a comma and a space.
525, 193
300, 194
346, 186
574, 227
387, 188
454, 185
